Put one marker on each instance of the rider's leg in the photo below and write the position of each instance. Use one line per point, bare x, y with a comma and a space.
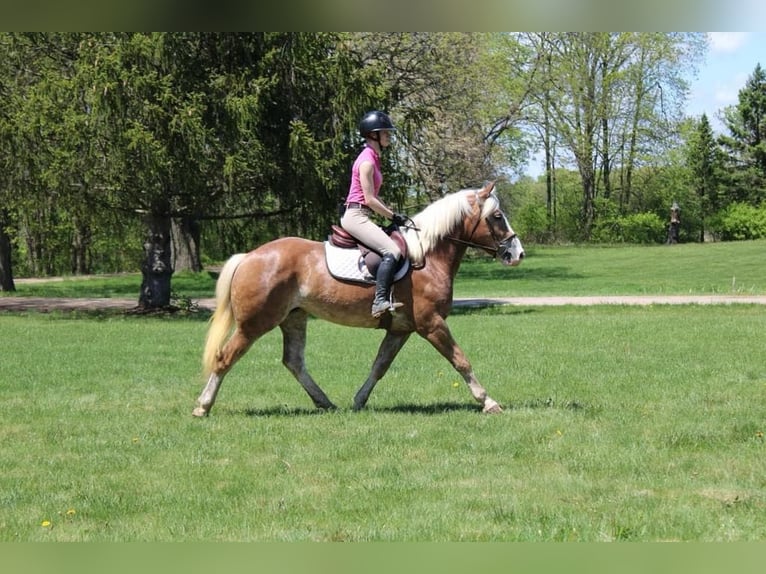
383, 279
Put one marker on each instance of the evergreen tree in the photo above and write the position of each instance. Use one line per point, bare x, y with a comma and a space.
746, 141
704, 161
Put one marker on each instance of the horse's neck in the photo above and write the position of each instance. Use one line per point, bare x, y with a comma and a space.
446, 257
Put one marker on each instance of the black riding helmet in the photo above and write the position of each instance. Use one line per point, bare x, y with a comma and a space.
375, 121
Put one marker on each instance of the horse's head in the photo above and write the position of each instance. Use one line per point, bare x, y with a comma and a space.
469, 217
491, 229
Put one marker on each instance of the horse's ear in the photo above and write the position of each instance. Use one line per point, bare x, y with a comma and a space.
487, 189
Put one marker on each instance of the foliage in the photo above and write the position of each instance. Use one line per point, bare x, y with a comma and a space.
603, 102
740, 221
165, 150
642, 228
531, 222
746, 141
237, 138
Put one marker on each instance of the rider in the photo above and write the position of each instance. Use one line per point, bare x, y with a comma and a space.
362, 200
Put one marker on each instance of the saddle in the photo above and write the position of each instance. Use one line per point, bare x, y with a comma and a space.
351, 260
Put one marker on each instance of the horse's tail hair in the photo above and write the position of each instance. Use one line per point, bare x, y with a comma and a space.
223, 318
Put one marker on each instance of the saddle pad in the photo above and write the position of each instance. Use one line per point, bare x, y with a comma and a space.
348, 264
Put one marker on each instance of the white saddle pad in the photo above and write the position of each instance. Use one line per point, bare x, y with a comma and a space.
348, 264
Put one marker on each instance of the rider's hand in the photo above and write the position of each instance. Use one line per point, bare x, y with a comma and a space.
399, 219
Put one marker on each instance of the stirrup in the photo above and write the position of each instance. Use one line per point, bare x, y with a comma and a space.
381, 307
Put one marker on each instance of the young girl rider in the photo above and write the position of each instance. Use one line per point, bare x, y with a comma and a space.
363, 199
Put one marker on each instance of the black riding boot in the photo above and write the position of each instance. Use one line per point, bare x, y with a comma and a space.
384, 278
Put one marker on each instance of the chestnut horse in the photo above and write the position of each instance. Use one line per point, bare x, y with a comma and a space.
284, 281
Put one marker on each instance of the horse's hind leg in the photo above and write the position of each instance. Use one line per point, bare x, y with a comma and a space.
391, 345
235, 347
294, 344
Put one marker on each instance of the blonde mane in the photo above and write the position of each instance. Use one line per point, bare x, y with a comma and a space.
440, 219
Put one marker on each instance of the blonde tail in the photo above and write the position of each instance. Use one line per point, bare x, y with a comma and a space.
223, 318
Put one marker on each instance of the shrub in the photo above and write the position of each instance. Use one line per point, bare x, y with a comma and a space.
531, 223
634, 228
740, 221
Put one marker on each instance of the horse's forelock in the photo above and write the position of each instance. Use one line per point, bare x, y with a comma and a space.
490, 204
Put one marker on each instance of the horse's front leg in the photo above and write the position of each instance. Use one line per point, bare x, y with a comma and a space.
441, 338
391, 345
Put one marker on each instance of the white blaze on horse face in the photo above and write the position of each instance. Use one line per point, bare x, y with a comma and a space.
517, 251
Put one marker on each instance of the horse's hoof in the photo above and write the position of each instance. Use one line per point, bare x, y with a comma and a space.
491, 407
199, 412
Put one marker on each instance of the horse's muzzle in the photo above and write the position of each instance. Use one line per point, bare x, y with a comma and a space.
511, 251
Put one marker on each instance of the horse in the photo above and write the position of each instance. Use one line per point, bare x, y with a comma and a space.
283, 282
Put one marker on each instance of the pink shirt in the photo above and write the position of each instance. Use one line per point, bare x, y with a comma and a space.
355, 193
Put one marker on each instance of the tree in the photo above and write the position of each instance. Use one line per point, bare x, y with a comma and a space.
6, 267
178, 117
704, 162
746, 141
444, 92
606, 101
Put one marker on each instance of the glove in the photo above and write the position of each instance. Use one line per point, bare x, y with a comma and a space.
399, 219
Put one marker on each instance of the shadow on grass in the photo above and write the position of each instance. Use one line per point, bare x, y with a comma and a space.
413, 409
500, 273
489, 307
285, 411
429, 409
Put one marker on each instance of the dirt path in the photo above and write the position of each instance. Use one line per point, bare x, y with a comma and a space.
46, 304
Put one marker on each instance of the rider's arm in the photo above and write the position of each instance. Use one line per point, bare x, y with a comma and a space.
366, 170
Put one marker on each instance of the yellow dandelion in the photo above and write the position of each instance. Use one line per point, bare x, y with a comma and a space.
456, 384
45, 524
71, 512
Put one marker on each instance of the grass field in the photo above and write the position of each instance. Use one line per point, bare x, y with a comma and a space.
620, 423
686, 269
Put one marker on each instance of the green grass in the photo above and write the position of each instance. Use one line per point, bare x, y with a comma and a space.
686, 269
697, 269
621, 423
128, 285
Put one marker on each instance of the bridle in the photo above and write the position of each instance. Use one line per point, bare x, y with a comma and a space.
503, 245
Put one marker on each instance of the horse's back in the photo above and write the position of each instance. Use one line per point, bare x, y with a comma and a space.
278, 261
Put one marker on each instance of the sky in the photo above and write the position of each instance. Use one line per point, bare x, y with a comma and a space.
730, 61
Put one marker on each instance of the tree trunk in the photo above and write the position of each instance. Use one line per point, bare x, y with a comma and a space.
588, 178
589, 211
157, 267
6, 270
80, 244
186, 237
